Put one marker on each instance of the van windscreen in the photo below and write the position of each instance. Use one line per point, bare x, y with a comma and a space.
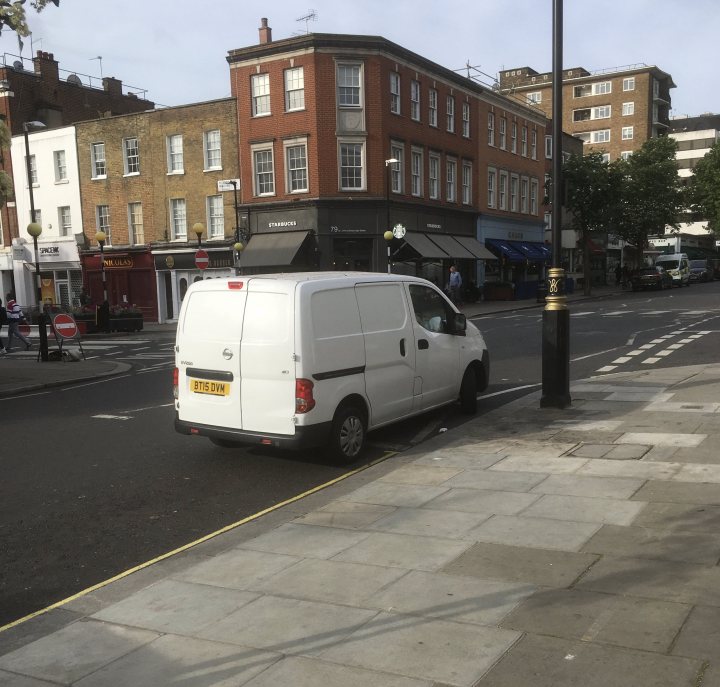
668, 264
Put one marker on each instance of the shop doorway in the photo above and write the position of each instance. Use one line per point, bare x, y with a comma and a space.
354, 254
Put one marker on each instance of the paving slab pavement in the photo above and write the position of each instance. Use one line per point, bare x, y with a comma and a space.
478, 559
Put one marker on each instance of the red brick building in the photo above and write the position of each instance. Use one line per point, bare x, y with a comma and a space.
343, 137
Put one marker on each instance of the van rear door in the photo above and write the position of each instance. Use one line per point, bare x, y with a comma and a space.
208, 355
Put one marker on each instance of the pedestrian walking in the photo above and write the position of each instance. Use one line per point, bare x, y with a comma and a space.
454, 286
3, 322
15, 316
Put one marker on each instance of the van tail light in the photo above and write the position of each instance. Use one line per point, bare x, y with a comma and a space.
176, 377
304, 401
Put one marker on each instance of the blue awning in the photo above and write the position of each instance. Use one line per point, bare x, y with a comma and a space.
532, 250
505, 249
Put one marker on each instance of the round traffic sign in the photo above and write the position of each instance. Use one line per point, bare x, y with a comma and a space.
65, 326
202, 259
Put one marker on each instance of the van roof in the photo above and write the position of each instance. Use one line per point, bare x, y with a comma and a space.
300, 277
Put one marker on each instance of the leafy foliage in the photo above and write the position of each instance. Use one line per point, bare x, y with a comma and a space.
6, 184
13, 16
704, 189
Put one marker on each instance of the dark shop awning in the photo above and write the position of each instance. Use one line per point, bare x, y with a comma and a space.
451, 246
505, 249
533, 251
265, 250
426, 248
476, 248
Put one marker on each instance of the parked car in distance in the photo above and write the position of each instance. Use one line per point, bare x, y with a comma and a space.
656, 277
699, 270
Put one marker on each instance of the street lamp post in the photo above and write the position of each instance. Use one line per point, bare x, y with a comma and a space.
388, 235
101, 237
34, 229
556, 316
198, 229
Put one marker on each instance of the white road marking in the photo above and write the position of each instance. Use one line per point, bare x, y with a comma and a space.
616, 312
675, 346
622, 359
509, 391
650, 361
664, 353
636, 352
111, 417
580, 314
685, 341
647, 346
607, 368
592, 355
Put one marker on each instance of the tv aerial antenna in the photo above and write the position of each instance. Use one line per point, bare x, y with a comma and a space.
310, 16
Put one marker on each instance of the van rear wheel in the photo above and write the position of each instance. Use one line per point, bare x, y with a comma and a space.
347, 436
468, 393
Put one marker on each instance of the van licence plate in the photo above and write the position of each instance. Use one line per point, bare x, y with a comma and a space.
203, 386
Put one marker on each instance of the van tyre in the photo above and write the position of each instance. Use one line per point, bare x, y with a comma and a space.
468, 393
347, 436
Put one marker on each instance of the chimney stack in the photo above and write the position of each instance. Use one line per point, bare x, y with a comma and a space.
46, 66
265, 32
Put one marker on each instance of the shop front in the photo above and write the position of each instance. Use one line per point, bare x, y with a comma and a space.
175, 270
129, 281
60, 272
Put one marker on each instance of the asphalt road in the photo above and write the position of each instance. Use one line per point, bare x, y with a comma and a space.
95, 480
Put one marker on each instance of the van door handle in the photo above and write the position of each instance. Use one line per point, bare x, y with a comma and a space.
402, 347
423, 344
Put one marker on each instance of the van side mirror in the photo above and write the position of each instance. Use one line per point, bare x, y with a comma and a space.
457, 324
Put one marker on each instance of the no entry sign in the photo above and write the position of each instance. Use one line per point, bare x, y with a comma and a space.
65, 326
202, 259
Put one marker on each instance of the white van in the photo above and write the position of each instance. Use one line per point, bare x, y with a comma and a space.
318, 359
677, 266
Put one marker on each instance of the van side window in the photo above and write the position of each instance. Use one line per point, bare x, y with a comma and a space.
431, 310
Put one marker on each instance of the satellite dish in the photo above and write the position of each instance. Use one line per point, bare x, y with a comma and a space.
74, 79
18, 65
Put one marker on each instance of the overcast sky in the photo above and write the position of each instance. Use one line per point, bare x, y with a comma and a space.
176, 49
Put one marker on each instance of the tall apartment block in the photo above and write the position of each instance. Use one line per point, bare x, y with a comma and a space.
613, 111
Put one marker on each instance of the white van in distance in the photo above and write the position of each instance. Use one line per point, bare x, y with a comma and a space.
319, 359
677, 266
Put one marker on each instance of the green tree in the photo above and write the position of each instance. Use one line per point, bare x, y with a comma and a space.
652, 194
592, 196
12, 14
704, 189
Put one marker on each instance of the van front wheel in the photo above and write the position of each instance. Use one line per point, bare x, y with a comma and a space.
347, 437
468, 393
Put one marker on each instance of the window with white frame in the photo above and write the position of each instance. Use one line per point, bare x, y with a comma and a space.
394, 92
434, 177
629, 84
535, 98
524, 193
397, 174
260, 89
215, 217
491, 186
211, 146
514, 192
176, 164
102, 221
491, 128
352, 165
294, 89
349, 85
601, 136
627, 133
466, 120
38, 216
450, 180
97, 159
136, 229
628, 109
263, 171
178, 218
503, 133
533, 145
415, 100
548, 147
625, 154
416, 172
432, 107
450, 112
513, 138
533, 196
466, 183
296, 166
601, 112
602, 88
605, 157
502, 190
131, 156
64, 221
33, 170
524, 141
60, 165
